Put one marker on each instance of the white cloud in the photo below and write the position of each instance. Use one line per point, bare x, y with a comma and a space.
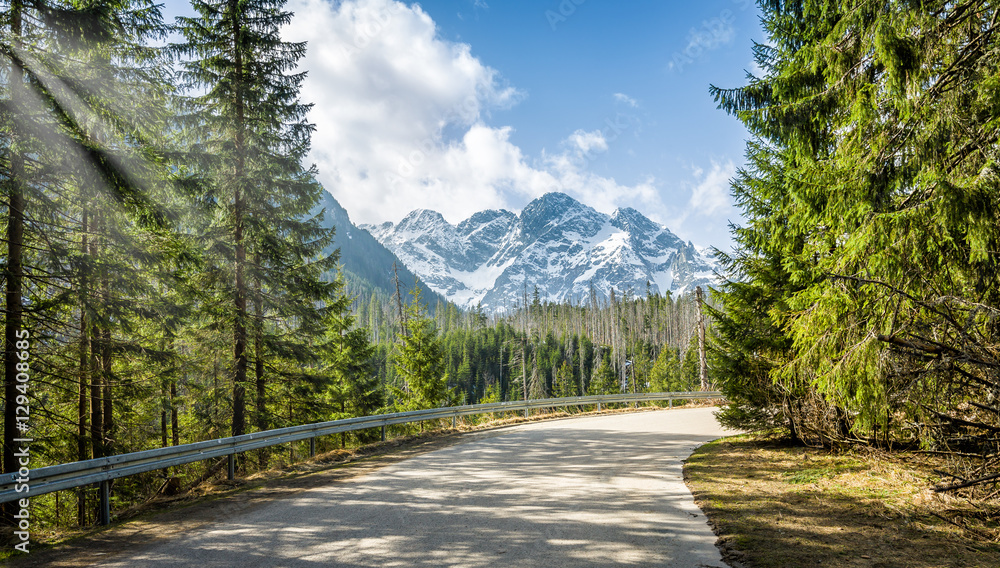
401, 115
713, 34
384, 88
709, 208
623, 98
711, 195
585, 143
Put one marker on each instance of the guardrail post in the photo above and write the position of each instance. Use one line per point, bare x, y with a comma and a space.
598, 406
231, 470
104, 515
453, 422
525, 412
383, 432
671, 401
312, 447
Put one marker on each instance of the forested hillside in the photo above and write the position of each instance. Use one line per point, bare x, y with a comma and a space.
368, 266
542, 349
863, 301
168, 278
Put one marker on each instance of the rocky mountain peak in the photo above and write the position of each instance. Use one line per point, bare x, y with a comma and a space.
420, 219
631, 221
556, 243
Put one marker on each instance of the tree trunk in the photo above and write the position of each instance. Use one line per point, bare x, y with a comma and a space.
96, 405
96, 375
174, 429
702, 360
164, 401
399, 303
83, 409
791, 421
108, 445
240, 293
163, 415
259, 378
15, 269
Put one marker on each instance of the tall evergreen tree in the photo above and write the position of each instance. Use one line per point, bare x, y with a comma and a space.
246, 117
604, 380
874, 178
665, 374
565, 385
82, 99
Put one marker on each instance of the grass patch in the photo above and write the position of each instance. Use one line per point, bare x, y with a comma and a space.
776, 506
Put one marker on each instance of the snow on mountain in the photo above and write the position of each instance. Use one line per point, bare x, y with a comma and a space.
556, 243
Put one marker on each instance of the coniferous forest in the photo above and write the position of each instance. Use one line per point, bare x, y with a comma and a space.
167, 279
863, 301
164, 270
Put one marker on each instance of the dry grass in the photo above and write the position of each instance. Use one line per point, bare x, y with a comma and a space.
775, 505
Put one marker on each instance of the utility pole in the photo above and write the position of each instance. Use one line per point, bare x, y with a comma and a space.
701, 338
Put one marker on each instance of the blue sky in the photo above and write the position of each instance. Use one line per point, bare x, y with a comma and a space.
571, 69
461, 105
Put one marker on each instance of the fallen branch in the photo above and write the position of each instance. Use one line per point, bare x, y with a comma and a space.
205, 476
962, 422
951, 454
984, 407
923, 347
968, 483
964, 527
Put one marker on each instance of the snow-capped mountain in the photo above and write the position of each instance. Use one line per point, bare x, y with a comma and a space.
557, 244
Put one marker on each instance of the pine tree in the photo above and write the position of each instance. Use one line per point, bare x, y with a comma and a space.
690, 367
83, 98
605, 380
247, 119
565, 385
420, 361
354, 388
873, 181
665, 374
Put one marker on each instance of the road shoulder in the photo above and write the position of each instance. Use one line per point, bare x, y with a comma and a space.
775, 505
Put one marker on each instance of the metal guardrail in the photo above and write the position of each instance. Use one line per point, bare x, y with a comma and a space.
102, 470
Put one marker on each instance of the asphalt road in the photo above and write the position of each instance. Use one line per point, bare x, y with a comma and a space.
587, 492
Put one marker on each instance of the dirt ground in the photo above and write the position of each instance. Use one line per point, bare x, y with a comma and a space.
777, 505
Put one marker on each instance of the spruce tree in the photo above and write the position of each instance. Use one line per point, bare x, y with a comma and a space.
349, 356
873, 181
565, 385
420, 361
246, 117
604, 381
81, 103
665, 374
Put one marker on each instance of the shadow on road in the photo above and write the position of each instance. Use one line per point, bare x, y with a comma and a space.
588, 493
